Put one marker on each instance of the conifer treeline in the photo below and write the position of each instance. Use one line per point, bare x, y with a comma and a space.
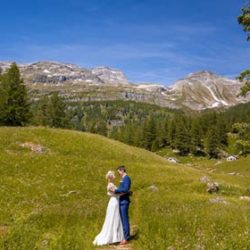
154, 128
187, 134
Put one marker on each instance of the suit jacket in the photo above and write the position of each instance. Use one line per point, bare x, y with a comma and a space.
124, 187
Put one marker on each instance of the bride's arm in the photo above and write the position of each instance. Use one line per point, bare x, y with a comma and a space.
110, 186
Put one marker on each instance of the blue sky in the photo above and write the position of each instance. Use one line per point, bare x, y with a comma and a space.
156, 41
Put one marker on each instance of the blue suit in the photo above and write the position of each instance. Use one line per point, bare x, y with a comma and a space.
124, 201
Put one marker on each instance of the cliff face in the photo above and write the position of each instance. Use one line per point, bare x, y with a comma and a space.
53, 72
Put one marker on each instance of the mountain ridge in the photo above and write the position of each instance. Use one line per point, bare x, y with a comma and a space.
197, 91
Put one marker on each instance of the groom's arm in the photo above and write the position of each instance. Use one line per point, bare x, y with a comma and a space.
123, 188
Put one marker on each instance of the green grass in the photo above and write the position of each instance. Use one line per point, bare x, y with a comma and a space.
37, 211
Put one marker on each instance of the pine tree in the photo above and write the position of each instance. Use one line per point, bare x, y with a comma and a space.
212, 142
149, 133
166, 139
182, 139
161, 131
138, 136
101, 128
41, 113
14, 105
171, 132
128, 134
222, 131
196, 136
114, 134
57, 112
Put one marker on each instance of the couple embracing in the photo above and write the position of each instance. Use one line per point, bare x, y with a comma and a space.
116, 224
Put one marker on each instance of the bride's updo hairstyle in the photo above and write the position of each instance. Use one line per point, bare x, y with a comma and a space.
110, 174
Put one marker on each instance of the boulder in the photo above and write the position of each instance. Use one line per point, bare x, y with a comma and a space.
231, 158
222, 154
153, 188
212, 187
172, 160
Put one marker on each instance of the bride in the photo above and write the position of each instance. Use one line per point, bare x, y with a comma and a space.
112, 230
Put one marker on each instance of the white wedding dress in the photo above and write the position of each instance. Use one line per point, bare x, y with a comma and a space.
112, 230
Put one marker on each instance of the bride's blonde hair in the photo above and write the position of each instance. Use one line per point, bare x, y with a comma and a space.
109, 174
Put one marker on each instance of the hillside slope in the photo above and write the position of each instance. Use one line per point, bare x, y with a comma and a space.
53, 195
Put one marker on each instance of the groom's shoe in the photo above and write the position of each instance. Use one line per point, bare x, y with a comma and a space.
123, 242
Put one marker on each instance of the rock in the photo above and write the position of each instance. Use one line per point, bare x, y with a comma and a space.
152, 87
115, 123
218, 200
153, 188
172, 160
217, 163
212, 187
222, 154
245, 198
111, 76
36, 148
176, 151
232, 173
231, 158
211, 170
204, 179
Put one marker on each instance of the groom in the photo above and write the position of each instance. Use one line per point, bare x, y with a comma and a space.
124, 201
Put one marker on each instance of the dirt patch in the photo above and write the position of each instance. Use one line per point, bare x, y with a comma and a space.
36, 148
3, 230
246, 198
118, 247
134, 233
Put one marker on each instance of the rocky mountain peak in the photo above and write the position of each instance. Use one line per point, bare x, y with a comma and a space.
202, 74
205, 89
58, 73
110, 75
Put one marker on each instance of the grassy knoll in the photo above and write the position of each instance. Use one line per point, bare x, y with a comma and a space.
57, 199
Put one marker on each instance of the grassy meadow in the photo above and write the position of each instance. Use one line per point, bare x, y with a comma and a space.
57, 199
